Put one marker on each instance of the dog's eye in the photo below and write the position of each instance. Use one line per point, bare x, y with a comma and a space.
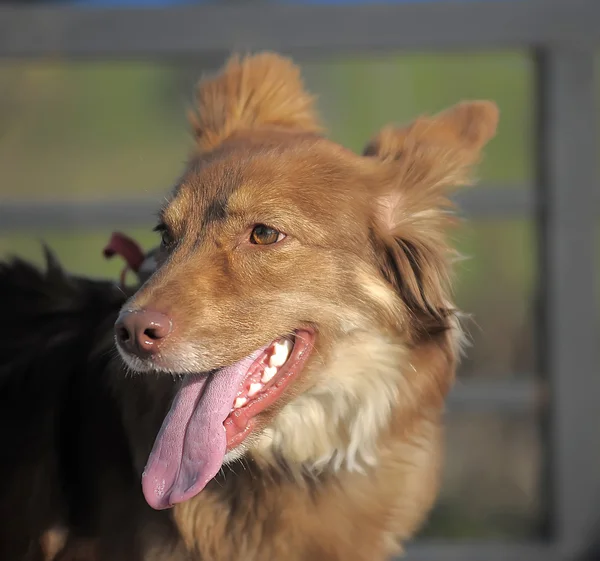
166, 239
263, 235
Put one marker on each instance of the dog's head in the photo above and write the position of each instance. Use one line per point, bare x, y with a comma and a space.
302, 290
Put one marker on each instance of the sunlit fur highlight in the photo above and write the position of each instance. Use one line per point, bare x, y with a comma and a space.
262, 90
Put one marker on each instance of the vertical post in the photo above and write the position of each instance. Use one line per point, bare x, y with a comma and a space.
567, 214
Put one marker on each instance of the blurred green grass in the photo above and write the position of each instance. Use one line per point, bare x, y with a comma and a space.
103, 130
87, 131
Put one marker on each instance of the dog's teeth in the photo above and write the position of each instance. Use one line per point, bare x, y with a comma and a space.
277, 360
254, 389
239, 402
281, 352
288, 346
268, 374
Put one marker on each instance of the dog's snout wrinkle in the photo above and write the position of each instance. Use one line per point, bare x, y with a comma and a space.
141, 332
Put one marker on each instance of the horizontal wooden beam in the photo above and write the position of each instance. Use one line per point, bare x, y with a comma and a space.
482, 202
200, 29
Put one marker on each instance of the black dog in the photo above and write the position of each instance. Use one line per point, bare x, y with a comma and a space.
65, 462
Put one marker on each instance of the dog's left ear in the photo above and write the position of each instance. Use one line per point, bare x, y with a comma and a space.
420, 164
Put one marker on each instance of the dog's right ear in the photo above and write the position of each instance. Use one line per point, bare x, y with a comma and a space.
260, 90
421, 163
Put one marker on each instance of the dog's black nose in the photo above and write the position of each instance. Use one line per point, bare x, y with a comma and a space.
140, 332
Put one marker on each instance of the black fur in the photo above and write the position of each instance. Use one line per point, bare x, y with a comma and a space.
65, 458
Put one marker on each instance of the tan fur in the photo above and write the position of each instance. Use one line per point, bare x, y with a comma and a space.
256, 91
346, 464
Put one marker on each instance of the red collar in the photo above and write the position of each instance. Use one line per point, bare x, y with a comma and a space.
127, 248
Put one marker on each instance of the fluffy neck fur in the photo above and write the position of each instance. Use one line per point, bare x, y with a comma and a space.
361, 502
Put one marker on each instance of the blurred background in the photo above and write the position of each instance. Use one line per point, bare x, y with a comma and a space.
78, 134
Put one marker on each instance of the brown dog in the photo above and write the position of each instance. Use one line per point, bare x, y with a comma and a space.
303, 296
296, 342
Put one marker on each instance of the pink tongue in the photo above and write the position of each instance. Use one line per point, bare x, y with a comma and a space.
191, 444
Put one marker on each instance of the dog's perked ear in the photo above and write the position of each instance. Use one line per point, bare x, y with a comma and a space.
256, 91
422, 163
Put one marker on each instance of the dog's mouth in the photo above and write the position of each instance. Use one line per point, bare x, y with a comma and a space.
213, 413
